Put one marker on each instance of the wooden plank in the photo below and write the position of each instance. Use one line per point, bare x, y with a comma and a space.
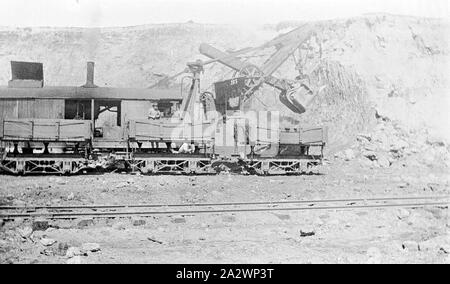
18, 129
8, 109
75, 130
45, 108
289, 137
26, 108
45, 130
145, 130
313, 135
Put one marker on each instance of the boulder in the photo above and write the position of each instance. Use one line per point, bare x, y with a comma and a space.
40, 225
73, 251
122, 184
138, 222
403, 214
179, 220
47, 252
90, 247
410, 245
62, 249
71, 196
47, 242
371, 155
85, 223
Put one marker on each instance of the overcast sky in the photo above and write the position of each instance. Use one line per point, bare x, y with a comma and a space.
103, 13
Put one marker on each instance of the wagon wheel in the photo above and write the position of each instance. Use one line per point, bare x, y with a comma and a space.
252, 74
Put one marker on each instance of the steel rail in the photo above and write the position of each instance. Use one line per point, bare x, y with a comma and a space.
233, 210
70, 207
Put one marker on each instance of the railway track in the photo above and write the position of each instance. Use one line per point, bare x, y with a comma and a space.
111, 211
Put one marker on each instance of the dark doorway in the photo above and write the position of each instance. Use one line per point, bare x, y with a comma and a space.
78, 109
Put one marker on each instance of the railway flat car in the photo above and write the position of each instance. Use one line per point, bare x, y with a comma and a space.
67, 130
48, 129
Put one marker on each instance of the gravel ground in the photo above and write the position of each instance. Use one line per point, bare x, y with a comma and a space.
352, 236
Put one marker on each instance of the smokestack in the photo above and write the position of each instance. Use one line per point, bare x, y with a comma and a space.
90, 75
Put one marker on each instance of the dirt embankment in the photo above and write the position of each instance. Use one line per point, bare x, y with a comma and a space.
392, 66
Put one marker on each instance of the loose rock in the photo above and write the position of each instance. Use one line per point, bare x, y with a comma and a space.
40, 225
90, 247
62, 249
362, 137
410, 245
445, 248
71, 196
73, 251
47, 252
85, 223
307, 232
371, 155
402, 213
122, 185
403, 185
138, 222
283, 216
229, 219
179, 220
47, 242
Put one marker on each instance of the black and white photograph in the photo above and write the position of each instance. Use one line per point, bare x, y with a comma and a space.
233, 135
